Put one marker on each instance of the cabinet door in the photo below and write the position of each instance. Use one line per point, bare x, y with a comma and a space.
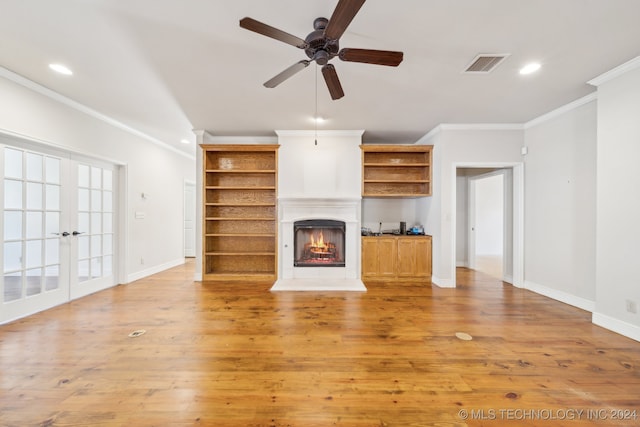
423, 257
407, 257
369, 256
387, 257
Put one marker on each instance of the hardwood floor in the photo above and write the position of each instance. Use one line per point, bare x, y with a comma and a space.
491, 265
238, 355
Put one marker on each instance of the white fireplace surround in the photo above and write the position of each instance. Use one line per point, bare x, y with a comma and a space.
319, 178
339, 209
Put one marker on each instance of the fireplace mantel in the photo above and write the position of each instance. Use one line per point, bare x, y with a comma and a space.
297, 208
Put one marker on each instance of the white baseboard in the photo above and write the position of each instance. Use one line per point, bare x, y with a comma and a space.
153, 270
464, 264
561, 296
615, 325
443, 283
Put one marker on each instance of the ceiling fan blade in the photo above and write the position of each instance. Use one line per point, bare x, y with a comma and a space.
295, 68
269, 31
333, 83
369, 56
342, 16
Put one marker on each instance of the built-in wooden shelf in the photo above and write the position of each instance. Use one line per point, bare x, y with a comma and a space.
396, 170
240, 216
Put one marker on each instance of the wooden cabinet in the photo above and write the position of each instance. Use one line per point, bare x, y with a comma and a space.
396, 170
240, 218
379, 256
396, 257
414, 257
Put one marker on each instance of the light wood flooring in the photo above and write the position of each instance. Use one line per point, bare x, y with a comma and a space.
490, 265
238, 355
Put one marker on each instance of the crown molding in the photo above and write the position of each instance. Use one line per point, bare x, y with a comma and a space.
431, 134
481, 126
468, 126
238, 140
562, 110
320, 133
616, 72
42, 90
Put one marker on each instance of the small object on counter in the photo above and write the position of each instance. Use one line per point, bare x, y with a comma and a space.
416, 230
396, 232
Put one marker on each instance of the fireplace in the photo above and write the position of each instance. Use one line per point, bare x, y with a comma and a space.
318, 243
338, 221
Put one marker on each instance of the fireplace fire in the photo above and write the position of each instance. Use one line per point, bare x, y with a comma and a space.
319, 243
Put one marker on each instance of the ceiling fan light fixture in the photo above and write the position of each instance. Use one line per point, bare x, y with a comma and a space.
62, 69
322, 45
530, 68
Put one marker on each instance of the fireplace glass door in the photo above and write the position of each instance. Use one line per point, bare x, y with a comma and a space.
319, 243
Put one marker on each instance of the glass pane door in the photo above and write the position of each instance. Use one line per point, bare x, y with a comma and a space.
57, 228
35, 275
94, 230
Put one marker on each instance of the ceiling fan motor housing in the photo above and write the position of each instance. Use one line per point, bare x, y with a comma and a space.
321, 49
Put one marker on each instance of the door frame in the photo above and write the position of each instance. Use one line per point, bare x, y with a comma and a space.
121, 224
189, 184
517, 250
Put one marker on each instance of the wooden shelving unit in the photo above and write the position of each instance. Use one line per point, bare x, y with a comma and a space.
396, 170
240, 217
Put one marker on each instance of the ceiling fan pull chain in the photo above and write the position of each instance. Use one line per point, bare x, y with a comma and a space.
315, 118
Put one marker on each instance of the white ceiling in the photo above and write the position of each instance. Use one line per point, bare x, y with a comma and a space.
165, 67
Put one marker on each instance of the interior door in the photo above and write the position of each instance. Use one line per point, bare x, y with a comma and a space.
189, 219
487, 215
91, 227
34, 252
57, 229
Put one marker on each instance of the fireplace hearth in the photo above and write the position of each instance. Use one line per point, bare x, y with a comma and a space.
319, 243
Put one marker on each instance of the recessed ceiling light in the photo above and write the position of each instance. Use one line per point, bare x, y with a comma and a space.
62, 69
530, 68
185, 141
319, 120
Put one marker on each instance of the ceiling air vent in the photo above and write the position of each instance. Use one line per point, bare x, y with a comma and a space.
485, 63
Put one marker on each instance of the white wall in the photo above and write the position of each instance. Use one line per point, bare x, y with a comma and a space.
151, 168
330, 169
461, 146
560, 201
390, 212
618, 204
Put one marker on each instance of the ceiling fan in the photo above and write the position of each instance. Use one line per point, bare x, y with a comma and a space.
322, 45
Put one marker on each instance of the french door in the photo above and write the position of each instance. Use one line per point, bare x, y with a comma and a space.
57, 229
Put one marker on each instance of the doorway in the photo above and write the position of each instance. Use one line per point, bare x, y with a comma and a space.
488, 221
58, 228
